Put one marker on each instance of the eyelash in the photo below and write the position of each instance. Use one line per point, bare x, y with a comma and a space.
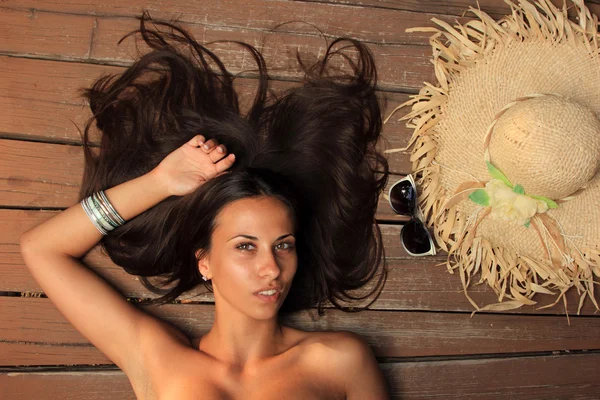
289, 244
240, 245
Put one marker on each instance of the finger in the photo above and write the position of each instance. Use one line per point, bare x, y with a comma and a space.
225, 163
209, 145
197, 141
218, 153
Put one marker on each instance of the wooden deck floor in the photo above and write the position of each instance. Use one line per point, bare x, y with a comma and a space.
420, 329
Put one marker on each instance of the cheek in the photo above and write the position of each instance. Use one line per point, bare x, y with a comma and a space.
290, 264
231, 279
232, 269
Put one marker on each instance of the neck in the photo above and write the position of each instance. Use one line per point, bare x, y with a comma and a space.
239, 340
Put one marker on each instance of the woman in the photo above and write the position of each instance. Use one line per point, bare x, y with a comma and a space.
282, 223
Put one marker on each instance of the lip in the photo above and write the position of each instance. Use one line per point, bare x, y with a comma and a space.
278, 288
269, 299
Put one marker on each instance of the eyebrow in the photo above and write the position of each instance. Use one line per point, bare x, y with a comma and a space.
255, 238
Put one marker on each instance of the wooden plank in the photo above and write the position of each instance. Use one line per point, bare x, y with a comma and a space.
419, 284
58, 123
62, 82
12, 259
33, 332
381, 21
50, 81
84, 385
399, 67
445, 7
378, 25
570, 376
26, 31
110, 30
16, 278
18, 221
43, 102
39, 174
388, 57
279, 52
494, 8
41, 120
28, 181
414, 283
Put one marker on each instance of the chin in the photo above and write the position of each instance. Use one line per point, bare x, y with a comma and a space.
263, 315
264, 311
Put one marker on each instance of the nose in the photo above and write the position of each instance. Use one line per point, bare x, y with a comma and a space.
268, 266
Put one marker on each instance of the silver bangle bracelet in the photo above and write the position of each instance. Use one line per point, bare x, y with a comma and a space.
105, 211
101, 212
92, 218
114, 212
99, 217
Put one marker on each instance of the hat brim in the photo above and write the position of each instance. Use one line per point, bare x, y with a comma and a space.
481, 67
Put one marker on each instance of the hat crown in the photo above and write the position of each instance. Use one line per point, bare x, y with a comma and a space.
548, 144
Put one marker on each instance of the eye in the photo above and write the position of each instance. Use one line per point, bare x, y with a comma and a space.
284, 246
245, 246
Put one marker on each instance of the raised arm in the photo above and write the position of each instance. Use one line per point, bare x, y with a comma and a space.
51, 251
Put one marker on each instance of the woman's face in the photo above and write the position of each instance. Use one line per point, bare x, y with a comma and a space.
253, 248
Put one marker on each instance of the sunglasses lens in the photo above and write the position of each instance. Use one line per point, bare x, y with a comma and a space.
415, 237
403, 198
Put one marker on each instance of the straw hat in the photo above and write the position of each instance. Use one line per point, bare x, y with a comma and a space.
507, 151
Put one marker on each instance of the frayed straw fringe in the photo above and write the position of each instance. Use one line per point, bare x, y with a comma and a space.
514, 278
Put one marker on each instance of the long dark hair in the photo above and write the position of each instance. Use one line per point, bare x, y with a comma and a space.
312, 147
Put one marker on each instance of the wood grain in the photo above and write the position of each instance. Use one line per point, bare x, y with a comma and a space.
49, 175
41, 100
445, 7
569, 376
414, 283
33, 332
541, 377
381, 21
495, 8
403, 60
400, 67
421, 321
25, 31
379, 25
41, 120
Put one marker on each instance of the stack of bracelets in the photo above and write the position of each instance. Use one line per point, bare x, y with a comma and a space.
102, 214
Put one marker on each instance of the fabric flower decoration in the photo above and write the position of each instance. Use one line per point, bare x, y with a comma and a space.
512, 206
509, 202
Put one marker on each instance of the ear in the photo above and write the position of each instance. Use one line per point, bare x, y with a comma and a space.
203, 265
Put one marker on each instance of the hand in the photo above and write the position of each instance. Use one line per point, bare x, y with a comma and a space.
191, 165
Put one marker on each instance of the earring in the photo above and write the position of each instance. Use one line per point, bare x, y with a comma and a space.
204, 278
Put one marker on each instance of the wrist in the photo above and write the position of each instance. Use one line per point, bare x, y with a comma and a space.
157, 184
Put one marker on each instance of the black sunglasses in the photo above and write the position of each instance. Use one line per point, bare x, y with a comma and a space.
414, 236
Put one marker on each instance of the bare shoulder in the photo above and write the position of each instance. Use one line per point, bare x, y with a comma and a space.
350, 359
343, 345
